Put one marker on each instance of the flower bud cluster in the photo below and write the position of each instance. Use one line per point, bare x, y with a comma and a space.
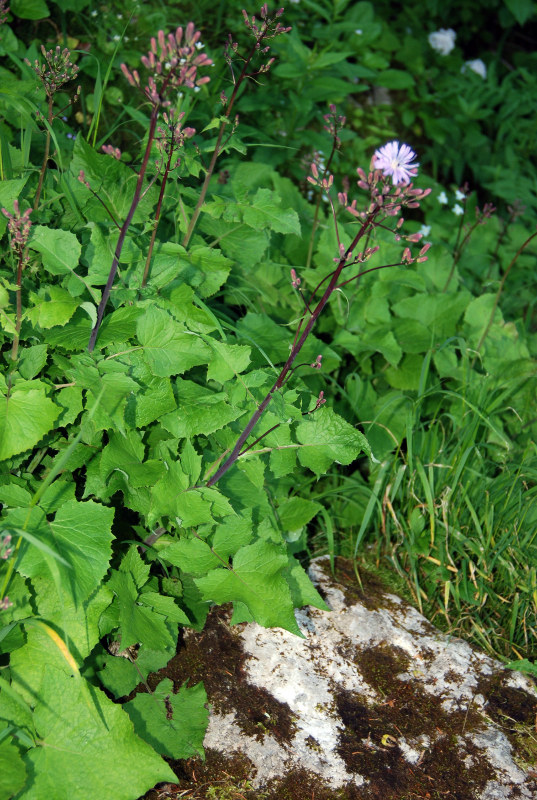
6, 548
5, 603
324, 183
317, 364
295, 280
19, 228
390, 199
268, 29
115, 152
4, 11
320, 400
57, 70
174, 135
173, 61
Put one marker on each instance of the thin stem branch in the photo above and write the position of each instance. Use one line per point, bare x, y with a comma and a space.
217, 148
256, 416
157, 214
124, 228
50, 118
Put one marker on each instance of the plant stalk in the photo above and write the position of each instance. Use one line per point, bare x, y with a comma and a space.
258, 413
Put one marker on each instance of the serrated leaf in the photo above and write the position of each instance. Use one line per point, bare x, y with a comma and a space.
265, 212
191, 462
56, 311
168, 350
200, 411
228, 360
25, 417
297, 512
256, 581
193, 556
327, 437
81, 533
32, 360
120, 675
60, 249
80, 728
174, 724
164, 605
12, 769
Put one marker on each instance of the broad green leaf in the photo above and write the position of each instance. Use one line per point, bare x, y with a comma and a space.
60, 249
303, 592
522, 10
240, 242
191, 462
327, 437
264, 212
30, 9
32, 360
25, 417
120, 675
81, 533
134, 565
231, 534
12, 769
174, 724
112, 180
10, 191
203, 268
89, 748
283, 451
228, 360
78, 625
200, 411
164, 605
57, 310
297, 512
191, 555
15, 496
167, 348
256, 581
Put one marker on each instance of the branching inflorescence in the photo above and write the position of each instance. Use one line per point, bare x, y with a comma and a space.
172, 62
56, 70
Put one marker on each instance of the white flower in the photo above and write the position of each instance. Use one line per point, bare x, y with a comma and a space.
116, 37
457, 209
477, 66
442, 199
94, 13
358, 31
425, 230
443, 41
459, 195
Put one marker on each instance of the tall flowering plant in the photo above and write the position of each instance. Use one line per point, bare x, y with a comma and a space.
390, 190
172, 63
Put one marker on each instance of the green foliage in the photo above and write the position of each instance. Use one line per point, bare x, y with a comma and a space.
113, 533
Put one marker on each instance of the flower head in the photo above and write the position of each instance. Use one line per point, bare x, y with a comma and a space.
443, 41
457, 210
443, 199
396, 161
477, 66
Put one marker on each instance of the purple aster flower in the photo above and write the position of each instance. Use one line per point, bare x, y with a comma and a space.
396, 161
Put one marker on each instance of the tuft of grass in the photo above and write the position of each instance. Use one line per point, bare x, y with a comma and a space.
452, 512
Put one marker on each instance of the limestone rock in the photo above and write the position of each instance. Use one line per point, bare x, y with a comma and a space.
373, 704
